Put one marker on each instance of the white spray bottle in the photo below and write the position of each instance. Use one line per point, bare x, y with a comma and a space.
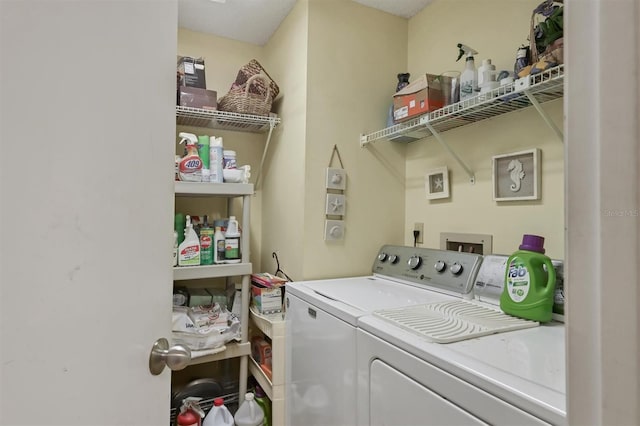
190, 166
189, 249
469, 76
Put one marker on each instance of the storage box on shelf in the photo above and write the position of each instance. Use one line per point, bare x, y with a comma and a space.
272, 326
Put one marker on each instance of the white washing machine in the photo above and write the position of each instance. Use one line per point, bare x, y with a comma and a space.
356, 355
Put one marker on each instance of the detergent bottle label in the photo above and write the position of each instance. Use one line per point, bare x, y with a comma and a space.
518, 281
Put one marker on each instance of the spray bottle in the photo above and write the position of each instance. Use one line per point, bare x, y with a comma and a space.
190, 166
189, 250
469, 76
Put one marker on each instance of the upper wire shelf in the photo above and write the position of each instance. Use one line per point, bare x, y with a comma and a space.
187, 116
543, 87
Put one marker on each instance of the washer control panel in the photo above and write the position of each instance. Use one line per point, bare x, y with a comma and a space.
444, 269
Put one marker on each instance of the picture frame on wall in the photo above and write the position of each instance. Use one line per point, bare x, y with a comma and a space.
516, 176
436, 183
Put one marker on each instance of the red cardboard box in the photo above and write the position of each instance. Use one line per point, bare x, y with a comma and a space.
422, 96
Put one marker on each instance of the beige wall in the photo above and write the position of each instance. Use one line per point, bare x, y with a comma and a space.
283, 184
354, 55
471, 209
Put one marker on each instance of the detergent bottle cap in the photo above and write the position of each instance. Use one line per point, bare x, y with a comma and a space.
218, 402
532, 243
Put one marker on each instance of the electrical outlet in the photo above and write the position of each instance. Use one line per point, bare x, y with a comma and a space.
419, 226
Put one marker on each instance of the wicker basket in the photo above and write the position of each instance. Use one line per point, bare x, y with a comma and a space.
241, 100
252, 68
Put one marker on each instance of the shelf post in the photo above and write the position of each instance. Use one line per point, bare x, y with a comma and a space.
434, 132
272, 124
544, 115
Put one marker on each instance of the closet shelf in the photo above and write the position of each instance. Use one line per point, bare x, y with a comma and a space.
211, 271
522, 93
233, 350
214, 119
194, 189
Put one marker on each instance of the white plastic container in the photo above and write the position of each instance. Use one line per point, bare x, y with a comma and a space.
249, 413
218, 250
219, 415
216, 158
232, 242
468, 80
189, 249
230, 159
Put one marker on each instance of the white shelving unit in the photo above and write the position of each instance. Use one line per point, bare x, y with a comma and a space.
229, 191
532, 90
272, 326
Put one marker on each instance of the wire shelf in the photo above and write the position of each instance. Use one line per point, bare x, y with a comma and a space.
187, 116
543, 87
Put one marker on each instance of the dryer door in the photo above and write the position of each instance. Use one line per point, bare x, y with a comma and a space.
413, 404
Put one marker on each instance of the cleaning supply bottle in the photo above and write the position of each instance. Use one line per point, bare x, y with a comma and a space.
215, 160
487, 76
219, 415
263, 401
403, 81
206, 243
191, 413
232, 242
179, 223
189, 250
203, 153
218, 242
469, 76
530, 281
190, 166
175, 248
249, 413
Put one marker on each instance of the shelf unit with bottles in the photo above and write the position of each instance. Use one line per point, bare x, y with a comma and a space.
229, 191
532, 90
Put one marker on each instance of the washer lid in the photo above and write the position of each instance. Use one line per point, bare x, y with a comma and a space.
350, 298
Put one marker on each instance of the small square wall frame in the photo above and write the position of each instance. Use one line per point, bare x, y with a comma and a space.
516, 176
336, 179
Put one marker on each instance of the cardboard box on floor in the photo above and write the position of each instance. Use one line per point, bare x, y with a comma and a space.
419, 97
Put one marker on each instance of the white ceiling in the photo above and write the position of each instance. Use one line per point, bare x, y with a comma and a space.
254, 21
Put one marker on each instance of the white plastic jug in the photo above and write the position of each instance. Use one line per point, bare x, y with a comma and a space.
219, 415
249, 413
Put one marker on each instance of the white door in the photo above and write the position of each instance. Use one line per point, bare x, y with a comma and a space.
87, 96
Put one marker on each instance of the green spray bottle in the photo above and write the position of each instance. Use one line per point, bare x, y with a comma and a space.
530, 281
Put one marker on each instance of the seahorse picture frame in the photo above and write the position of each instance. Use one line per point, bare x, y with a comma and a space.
516, 176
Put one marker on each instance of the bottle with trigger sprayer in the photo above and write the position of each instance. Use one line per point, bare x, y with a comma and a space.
190, 166
469, 76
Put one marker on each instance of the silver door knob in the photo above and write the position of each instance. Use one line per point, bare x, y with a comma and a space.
175, 357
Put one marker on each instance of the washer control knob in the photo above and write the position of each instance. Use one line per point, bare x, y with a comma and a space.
456, 268
393, 259
414, 262
382, 257
440, 266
